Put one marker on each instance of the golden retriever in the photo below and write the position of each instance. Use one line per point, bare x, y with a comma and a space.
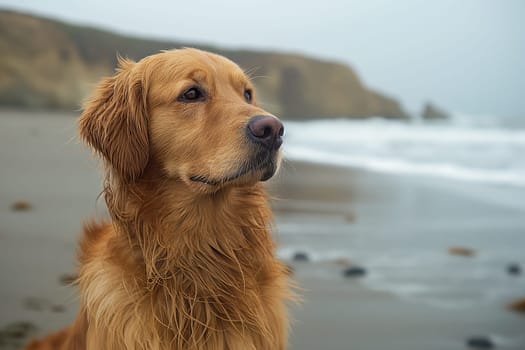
188, 261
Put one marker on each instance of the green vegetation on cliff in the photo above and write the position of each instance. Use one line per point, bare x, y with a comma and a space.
50, 64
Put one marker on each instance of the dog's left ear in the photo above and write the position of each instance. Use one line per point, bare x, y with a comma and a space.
114, 121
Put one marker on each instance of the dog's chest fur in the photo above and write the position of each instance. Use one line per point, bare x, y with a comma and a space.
196, 290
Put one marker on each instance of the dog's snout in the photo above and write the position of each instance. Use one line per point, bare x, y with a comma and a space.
266, 130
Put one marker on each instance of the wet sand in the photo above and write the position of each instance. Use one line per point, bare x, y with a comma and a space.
42, 163
342, 313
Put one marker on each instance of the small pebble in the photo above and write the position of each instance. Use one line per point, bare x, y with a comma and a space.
354, 271
518, 306
34, 304
18, 329
480, 343
514, 269
21, 206
461, 251
350, 217
301, 256
58, 308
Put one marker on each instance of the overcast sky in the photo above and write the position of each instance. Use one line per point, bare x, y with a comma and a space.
465, 55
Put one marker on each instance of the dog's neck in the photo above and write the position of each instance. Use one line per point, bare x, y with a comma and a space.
170, 228
210, 257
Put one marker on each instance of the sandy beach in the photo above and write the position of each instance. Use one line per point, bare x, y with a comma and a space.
413, 294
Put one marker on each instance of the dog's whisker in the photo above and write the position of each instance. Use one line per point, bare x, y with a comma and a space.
260, 77
251, 70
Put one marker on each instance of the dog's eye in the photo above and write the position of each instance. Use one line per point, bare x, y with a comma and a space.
192, 95
248, 95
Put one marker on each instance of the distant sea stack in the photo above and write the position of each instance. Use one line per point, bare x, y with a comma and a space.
49, 64
432, 112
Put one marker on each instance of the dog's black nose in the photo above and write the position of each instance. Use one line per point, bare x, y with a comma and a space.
266, 130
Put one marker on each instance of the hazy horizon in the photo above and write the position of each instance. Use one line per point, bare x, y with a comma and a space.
466, 57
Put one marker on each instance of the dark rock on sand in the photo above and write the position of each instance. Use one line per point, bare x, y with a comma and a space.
350, 217
461, 251
35, 304
514, 269
518, 306
14, 335
354, 271
301, 257
480, 343
21, 206
58, 308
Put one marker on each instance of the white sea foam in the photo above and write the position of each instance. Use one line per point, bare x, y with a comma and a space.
464, 152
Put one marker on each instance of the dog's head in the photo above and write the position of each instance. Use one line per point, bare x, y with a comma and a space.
192, 113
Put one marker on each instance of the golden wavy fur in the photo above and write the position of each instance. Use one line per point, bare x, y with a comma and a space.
187, 261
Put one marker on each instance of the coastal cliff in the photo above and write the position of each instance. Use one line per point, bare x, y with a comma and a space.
50, 64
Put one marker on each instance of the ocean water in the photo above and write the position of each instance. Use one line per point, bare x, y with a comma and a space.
485, 152
460, 183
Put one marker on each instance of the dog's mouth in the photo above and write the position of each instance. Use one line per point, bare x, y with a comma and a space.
264, 164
